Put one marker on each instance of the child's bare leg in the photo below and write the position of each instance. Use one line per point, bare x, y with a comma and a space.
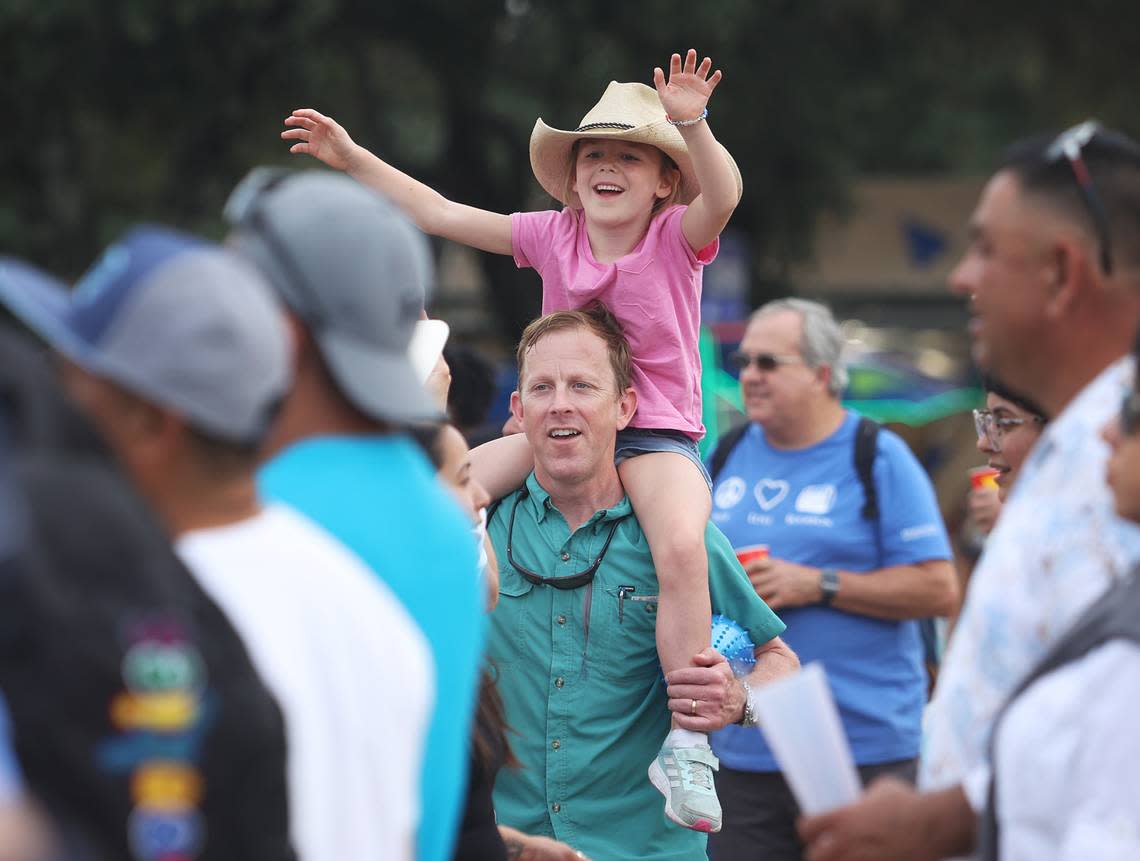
502, 465
672, 503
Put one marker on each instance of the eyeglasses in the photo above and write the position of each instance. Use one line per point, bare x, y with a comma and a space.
1069, 145
1130, 414
571, 581
763, 361
993, 428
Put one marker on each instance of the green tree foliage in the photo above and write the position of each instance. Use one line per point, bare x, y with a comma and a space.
126, 110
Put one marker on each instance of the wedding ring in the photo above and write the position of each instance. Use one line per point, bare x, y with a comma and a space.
693, 709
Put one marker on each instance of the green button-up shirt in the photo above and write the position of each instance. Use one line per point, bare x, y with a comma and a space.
581, 681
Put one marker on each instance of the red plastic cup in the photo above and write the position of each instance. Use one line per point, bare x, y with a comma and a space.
984, 477
751, 553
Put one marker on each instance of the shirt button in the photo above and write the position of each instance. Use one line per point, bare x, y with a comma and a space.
565, 556
559, 682
556, 744
561, 620
556, 807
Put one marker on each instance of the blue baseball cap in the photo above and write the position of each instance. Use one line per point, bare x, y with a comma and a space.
176, 320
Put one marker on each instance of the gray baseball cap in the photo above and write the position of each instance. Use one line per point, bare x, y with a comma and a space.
178, 321
353, 268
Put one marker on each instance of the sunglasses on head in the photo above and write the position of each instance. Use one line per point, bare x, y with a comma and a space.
1130, 413
1069, 145
244, 211
763, 361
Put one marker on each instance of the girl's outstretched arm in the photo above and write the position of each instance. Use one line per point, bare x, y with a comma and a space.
325, 139
684, 97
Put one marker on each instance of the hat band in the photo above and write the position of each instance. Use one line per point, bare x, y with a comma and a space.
589, 126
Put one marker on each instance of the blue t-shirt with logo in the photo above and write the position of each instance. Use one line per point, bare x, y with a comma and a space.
806, 505
379, 496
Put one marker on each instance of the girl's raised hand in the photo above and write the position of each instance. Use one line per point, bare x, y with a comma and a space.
319, 136
687, 92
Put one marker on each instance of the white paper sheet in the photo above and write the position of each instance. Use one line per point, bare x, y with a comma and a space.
801, 724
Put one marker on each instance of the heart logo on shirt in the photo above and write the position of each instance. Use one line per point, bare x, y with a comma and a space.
770, 493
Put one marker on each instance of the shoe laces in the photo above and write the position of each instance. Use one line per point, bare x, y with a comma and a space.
696, 773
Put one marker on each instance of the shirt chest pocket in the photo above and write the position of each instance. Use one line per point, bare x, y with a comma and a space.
623, 633
509, 618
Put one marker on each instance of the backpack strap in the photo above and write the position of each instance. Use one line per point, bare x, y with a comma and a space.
1110, 617
724, 447
866, 447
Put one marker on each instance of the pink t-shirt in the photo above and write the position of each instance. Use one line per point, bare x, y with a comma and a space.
655, 291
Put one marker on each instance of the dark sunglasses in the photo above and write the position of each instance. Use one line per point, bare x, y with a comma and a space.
1130, 413
571, 581
763, 361
1069, 145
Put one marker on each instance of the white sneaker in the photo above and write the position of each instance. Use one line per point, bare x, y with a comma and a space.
684, 776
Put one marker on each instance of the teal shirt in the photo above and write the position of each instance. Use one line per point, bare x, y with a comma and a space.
581, 681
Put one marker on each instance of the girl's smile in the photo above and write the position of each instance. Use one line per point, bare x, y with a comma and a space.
610, 171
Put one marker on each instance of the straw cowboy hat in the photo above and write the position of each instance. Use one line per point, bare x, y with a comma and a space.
630, 112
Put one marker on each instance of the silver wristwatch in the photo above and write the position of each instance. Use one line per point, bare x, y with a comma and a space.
749, 716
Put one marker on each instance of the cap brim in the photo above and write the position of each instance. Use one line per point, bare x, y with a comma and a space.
426, 347
42, 303
380, 384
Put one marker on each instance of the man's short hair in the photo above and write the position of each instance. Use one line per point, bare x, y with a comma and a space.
221, 458
1113, 162
595, 318
821, 342
213, 455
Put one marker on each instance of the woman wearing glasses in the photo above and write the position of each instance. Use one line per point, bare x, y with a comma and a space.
1007, 429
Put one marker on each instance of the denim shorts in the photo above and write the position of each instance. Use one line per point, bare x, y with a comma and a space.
634, 441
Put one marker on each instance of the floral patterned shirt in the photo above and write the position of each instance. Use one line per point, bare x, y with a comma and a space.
1057, 546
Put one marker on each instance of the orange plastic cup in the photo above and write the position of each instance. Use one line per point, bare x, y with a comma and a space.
984, 477
751, 553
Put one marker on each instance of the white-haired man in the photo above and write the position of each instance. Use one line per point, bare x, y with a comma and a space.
858, 553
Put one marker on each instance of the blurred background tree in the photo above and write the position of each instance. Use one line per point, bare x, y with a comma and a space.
125, 110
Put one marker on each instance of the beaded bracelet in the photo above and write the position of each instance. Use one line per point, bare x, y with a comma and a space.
704, 116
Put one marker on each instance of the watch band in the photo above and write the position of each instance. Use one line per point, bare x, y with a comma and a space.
748, 718
828, 584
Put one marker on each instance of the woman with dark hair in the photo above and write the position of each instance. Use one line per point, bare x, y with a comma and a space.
1007, 429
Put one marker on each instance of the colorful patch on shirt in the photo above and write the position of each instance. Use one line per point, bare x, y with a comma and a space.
162, 717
